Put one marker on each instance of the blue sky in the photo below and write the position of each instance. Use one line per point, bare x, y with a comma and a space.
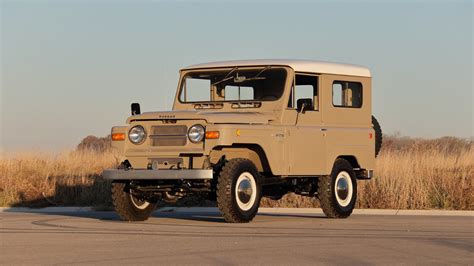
70, 69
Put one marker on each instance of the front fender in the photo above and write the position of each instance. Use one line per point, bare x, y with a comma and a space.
257, 139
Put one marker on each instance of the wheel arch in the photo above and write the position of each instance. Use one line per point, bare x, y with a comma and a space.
351, 159
253, 152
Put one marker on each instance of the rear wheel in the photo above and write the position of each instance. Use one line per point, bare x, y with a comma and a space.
337, 192
128, 205
238, 191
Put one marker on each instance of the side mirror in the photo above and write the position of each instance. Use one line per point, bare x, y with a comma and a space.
304, 104
135, 109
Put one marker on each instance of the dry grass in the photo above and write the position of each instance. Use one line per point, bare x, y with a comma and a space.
67, 178
425, 174
410, 174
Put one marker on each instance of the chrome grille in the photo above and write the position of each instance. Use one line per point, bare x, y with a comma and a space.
169, 135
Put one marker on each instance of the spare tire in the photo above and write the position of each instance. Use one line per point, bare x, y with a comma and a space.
378, 135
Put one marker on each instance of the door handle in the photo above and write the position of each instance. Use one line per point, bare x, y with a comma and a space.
324, 129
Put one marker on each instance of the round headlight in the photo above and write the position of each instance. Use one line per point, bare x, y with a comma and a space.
137, 134
196, 133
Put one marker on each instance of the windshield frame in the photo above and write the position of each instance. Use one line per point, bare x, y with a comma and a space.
233, 68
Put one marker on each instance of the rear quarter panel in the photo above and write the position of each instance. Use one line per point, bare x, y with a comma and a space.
349, 130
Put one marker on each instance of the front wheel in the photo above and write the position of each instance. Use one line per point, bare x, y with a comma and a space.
128, 205
337, 192
238, 191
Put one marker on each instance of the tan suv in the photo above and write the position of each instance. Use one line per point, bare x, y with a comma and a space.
240, 130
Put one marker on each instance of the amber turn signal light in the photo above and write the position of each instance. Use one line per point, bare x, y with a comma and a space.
212, 134
118, 136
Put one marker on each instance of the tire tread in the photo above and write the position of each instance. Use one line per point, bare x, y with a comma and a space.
325, 190
124, 207
224, 192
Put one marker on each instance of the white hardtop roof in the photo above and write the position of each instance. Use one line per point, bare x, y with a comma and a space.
309, 66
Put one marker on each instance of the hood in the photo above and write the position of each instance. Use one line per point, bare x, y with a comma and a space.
212, 117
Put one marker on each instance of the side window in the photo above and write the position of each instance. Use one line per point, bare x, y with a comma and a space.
306, 87
235, 93
347, 94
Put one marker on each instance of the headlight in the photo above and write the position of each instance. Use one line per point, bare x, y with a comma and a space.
196, 133
137, 134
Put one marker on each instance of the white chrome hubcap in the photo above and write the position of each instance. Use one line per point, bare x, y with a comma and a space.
139, 204
245, 191
343, 189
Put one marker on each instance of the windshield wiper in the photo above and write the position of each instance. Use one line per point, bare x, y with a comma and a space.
241, 79
226, 78
259, 73
256, 77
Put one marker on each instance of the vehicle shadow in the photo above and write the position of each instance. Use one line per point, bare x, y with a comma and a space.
97, 194
158, 217
204, 216
71, 191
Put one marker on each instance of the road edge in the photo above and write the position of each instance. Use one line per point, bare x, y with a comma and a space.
302, 211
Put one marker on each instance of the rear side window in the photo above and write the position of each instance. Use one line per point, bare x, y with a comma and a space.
347, 94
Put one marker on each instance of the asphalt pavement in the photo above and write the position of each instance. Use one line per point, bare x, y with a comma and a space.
202, 237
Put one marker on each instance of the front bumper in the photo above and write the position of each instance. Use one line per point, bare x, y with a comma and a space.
120, 174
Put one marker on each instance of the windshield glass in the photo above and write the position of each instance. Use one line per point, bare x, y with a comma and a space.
233, 85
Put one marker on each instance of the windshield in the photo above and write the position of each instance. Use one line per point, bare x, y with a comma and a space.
233, 85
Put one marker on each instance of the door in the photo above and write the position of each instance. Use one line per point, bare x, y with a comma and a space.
306, 142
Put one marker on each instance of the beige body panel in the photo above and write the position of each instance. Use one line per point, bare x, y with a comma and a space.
276, 138
348, 130
270, 139
305, 144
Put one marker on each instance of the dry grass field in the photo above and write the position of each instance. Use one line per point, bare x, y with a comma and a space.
43, 179
410, 174
413, 174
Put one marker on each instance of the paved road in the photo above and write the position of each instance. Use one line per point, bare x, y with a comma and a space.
203, 238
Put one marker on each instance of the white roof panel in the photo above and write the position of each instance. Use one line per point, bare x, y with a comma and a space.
297, 65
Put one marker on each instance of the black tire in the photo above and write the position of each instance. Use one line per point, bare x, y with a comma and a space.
232, 208
330, 199
378, 135
128, 207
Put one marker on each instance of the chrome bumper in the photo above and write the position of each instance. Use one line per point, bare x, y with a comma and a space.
364, 173
119, 174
